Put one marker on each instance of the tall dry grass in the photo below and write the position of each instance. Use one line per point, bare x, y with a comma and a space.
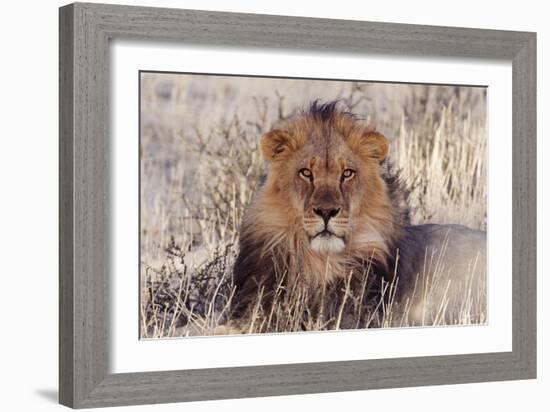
200, 165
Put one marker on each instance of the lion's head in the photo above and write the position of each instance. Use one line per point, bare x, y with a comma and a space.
325, 166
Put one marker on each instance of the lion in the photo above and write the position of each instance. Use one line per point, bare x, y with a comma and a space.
332, 213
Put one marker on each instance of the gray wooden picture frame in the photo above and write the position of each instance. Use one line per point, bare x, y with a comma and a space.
85, 32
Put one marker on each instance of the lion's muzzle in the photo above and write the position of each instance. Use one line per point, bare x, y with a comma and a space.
326, 230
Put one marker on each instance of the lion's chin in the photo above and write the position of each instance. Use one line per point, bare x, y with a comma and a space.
327, 244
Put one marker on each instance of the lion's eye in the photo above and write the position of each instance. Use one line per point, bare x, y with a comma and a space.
348, 174
306, 174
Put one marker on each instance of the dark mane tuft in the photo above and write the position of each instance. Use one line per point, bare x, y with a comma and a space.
322, 111
399, 193
326, 111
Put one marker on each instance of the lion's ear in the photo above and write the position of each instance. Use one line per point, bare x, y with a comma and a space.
374, 145
275, 143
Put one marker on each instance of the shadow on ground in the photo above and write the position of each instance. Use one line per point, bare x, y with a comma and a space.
51, 395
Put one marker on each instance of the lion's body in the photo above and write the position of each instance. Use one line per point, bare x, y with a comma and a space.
332, 214
441, 267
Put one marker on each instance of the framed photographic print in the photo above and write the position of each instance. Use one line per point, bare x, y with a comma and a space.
257, 205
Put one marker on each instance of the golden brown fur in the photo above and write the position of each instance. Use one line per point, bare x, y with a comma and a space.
280, 226
332, 211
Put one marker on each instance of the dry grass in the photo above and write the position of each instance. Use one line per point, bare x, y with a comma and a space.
200, 165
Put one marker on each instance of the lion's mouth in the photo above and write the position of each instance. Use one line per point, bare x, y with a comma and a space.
327, 233
326, 241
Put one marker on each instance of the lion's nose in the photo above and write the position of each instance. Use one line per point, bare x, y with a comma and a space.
326, 214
